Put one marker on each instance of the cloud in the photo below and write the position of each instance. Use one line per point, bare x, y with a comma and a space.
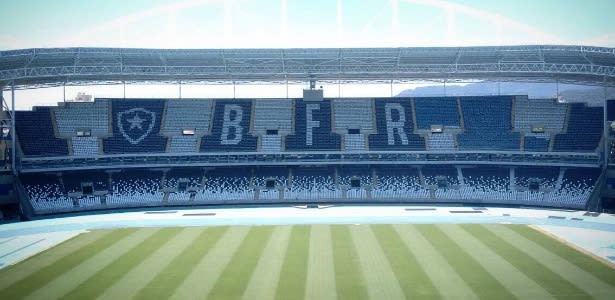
605, 40
496, 20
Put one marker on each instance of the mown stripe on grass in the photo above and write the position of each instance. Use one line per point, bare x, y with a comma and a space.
413, 280
514, 280
169, 278
320, 283
575, 275
234, 279
204, 275
107, 276
484, 285
70, 279
535, 270
294, 269
69, 260
39, 261
444, 277
264, 281
349, 281
377, 272
587, 263
138, 278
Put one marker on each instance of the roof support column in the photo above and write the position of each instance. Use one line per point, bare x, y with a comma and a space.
605, 133
13, 133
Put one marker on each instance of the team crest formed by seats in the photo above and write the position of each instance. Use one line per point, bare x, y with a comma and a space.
136, 124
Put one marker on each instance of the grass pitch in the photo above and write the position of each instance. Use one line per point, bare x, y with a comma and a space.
311, 262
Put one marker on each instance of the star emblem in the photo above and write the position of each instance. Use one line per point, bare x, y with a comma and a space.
136, 122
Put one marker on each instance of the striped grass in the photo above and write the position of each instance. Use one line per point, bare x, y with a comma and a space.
587, 263
311, 261
547, 278
36, 280
294, 269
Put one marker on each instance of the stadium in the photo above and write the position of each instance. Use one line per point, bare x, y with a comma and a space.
494, 179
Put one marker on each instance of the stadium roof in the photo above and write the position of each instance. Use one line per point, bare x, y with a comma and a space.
35, 68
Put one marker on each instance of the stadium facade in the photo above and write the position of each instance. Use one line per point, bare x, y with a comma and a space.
120, 153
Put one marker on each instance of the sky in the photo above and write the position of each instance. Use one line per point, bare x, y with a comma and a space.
298, 23
293, 24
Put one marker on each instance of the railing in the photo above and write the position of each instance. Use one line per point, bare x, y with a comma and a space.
46, 164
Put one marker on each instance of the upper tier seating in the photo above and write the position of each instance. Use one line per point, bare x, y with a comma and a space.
546, 113
536, 142
187, 114
183, 144
75, 116
273, 114
440, 142
488, 124
85, 145
313, 128
356, 115
136, 127
36, 134
231, 128
436, 111
584, 129
395, 127
272, 120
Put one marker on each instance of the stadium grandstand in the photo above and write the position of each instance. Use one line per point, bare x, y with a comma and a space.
118, 153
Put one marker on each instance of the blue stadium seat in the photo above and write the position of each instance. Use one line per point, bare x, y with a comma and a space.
85, 145
73, 181
313, 129
543, 112
272, 121
398, 182
487, 122
535, 143
181, 182
136, 188
576, 188
226, 185
584, 129
46, 193
395, 127
73, 116
313, 183
436, 111
36, 135
354, 120
231, 128
187, 114
136, 127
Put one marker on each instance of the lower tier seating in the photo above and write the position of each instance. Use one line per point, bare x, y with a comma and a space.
478, 184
